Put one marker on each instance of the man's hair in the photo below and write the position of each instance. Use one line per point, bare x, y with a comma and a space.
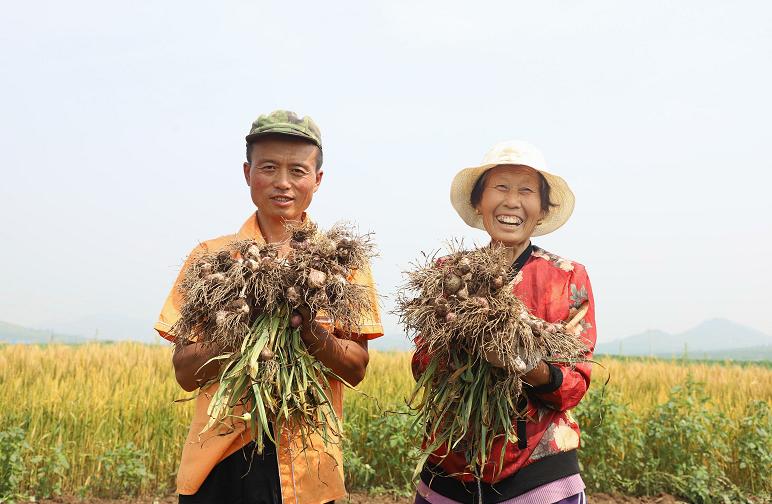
544, 191
319, 155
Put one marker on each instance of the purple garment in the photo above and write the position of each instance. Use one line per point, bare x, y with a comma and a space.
540, 495
579, 498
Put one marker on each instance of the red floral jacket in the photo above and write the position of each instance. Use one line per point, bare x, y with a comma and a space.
553, 289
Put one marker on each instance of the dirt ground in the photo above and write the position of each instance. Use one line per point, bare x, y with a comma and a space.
622, 499
362, 498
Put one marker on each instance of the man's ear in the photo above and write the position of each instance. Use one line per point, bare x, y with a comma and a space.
247, 169
319, 175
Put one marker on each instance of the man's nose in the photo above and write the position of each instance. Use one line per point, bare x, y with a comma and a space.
281, 180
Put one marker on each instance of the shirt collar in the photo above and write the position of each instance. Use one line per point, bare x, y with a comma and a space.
522, 258
250, 230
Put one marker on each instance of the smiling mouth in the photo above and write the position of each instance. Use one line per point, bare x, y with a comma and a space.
509, 220
282, 199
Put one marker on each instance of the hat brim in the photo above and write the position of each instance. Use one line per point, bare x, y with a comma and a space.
560, 194
281, 130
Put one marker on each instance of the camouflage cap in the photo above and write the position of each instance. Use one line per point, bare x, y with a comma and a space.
285, 122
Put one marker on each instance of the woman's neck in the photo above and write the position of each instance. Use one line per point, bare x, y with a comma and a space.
513, 251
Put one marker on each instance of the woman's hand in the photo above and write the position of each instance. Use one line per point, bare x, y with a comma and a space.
494, 358
539, 375
514, 365
534, 373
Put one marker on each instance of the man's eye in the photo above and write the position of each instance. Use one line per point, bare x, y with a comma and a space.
298, 171
267, 167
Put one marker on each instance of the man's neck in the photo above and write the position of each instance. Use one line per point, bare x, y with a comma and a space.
273, 230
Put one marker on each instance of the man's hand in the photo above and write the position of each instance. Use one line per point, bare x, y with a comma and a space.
346, 358
303, 318
190, 364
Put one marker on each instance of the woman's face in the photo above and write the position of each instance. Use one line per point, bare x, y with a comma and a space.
510, 205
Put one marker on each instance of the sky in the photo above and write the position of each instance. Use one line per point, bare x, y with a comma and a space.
123, 124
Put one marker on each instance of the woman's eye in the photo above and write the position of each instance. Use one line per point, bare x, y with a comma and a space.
526, 190
502, 187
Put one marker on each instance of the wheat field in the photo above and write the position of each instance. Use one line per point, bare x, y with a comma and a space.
86, 411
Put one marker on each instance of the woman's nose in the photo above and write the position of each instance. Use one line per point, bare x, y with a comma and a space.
512, 200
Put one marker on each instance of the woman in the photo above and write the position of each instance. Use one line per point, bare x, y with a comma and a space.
512, 198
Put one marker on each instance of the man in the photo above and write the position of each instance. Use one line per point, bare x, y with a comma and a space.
283, 171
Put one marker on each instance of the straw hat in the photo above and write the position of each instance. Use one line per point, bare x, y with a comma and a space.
512, 152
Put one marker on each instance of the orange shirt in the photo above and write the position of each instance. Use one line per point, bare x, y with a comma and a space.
309, 474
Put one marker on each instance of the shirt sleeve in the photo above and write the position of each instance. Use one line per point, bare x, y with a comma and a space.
170, 313
568, 383
369, 326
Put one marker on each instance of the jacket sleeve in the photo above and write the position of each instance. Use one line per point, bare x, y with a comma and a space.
568, 383
170, 313
420, 359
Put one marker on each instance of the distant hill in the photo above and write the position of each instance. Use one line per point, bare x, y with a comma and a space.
715, 338
757, 353
12, 333
108, 326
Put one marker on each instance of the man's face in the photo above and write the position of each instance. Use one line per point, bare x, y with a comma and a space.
282, 177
